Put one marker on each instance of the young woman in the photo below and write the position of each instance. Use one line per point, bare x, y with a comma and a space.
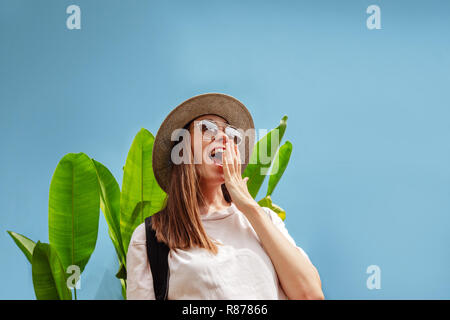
223, 245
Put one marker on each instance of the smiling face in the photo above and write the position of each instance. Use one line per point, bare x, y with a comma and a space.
207, 147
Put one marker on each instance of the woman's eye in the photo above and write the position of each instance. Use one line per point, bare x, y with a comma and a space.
212, 127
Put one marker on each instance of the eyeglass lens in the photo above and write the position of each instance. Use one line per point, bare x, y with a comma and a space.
210, 130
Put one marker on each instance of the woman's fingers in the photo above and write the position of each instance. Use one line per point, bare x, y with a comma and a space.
233, 157
226, 171
238, 159
229, 156
231, 162
235, 160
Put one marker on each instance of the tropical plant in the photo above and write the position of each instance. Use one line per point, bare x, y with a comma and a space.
267, 154
139, 198
73, 216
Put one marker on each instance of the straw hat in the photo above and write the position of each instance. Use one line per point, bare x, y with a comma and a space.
225, 106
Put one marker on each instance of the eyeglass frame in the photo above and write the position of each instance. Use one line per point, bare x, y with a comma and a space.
223, 128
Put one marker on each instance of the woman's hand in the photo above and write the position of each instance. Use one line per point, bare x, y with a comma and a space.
236, 186
298, 277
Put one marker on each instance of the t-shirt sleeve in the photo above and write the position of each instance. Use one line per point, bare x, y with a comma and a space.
139, 275
282, 227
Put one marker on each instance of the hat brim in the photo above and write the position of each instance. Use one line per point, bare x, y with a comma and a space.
225, 106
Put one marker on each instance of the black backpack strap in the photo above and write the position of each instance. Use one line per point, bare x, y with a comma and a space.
157, 254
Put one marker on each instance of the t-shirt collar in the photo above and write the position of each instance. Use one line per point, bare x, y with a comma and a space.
219, 214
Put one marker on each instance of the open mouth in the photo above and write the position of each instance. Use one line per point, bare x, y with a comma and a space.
216, 156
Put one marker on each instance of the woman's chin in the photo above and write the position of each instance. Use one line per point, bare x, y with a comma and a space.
213, 173
219, 172
214, 180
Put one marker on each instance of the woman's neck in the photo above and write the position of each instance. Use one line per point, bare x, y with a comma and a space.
213, 197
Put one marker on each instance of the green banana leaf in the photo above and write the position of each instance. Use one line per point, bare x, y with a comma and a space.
256, 170
141, 207
123, 283
74, 209
279, 166
120, 255
110, 205
267, 202
122, 276
49, 278
24, 244
122, 273
139, 187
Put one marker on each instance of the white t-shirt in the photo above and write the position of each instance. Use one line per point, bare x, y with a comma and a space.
240, 270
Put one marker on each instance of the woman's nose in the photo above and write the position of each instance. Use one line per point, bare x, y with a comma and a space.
221, 137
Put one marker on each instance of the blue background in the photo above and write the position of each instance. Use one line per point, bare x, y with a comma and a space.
369, 178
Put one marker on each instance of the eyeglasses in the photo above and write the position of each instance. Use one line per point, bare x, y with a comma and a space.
210, 129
